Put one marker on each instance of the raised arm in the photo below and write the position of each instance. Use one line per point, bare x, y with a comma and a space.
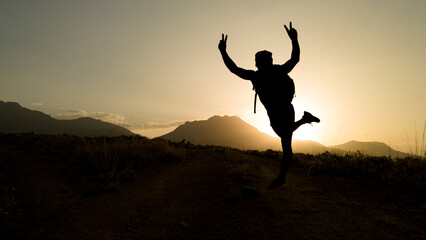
295, 54
240, 72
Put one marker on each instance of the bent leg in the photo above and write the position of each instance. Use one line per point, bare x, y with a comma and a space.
307, 118
284, 125
297, 124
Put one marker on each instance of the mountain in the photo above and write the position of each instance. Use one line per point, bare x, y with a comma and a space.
233, 132
17, 119
371, 148
223, 131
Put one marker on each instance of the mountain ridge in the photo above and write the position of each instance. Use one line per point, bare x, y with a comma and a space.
374, 148
226, 130
232, 131
17, 119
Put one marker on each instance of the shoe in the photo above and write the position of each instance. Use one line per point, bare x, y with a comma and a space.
277, 182
309, 118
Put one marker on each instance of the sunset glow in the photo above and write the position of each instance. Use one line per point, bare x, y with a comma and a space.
361, 69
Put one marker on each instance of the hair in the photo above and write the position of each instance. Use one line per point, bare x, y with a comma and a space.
263, 58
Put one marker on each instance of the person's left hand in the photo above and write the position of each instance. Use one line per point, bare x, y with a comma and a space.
292, 33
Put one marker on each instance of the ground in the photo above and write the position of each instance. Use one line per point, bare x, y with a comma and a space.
198, 197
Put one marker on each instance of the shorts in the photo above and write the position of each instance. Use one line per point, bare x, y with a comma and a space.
282, 119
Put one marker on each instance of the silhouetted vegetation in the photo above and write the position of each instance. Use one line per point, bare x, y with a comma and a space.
120, 158
408, 172
42, 176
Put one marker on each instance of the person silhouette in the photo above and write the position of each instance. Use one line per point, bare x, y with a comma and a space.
276, 91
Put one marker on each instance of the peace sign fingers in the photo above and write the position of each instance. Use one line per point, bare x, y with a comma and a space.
288, 30
292, 33
222, 43
224, 38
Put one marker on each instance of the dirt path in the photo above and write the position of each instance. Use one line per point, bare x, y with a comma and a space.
200, 198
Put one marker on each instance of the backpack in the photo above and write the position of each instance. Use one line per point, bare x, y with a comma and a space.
286, 89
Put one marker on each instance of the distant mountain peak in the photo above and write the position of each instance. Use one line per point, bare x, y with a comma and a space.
217, 117
11, 103
222, 130
232, 131
373, 148
17, 119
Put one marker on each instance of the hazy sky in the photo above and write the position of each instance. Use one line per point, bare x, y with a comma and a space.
154, 64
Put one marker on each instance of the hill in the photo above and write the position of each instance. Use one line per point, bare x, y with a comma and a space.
371, 148
223, 131
234, 132
17, 119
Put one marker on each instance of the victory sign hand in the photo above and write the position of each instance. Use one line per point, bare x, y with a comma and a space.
222, 43
292, 33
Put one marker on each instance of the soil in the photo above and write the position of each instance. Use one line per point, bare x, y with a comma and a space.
198, 198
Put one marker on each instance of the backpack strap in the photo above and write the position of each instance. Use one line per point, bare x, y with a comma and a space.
255, 99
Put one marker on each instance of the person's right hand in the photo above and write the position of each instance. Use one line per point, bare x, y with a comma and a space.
222, 43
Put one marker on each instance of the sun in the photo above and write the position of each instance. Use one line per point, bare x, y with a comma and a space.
261, 122
304, 132
265, 128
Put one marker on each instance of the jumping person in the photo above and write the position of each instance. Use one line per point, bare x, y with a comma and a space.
276, 91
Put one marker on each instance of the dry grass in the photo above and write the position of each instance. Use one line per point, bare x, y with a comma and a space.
128, 187
408, 172
118, 159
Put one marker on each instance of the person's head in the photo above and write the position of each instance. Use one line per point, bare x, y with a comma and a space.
263, 59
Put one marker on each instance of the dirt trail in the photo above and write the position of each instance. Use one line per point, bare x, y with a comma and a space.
199, 199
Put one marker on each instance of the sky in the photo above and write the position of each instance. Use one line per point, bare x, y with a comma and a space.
152, 65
